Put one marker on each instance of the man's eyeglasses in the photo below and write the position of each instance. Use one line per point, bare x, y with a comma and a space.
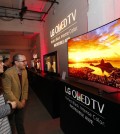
22, 61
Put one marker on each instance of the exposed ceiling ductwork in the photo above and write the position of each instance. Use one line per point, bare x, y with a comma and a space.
25, 9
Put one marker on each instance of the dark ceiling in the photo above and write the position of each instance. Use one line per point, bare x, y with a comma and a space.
25, 9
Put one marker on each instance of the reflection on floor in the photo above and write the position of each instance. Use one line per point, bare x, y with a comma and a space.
37, 118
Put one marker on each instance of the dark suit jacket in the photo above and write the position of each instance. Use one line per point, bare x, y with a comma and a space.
11, 85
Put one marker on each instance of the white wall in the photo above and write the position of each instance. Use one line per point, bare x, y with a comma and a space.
101, 12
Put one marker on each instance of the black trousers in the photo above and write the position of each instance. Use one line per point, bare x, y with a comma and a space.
16, 120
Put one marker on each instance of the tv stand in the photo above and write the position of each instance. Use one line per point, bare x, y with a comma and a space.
79, 106
46, 88
83, 108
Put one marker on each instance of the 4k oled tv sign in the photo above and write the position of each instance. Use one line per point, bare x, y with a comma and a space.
90, 110
63, 30
87, 107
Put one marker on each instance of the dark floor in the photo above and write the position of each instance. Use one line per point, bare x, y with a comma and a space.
37, 118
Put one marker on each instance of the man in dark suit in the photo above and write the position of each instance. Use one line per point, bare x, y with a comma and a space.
15, 85
6, 64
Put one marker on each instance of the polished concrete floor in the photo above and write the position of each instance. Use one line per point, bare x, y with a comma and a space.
37, 118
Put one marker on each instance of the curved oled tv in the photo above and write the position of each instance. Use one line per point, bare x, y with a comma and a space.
94, 57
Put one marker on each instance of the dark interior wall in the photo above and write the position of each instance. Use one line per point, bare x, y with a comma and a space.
72, 17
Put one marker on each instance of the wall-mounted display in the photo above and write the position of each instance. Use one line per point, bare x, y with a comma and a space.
94, 57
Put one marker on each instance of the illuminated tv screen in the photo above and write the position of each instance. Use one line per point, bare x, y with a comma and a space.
95, 56
50, 63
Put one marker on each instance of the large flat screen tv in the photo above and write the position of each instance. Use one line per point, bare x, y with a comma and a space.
50, 63
94, 57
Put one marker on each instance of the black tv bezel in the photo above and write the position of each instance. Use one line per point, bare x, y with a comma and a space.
106, 88
54, 53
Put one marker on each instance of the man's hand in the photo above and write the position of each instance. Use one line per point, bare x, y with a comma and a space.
23, 102
13, 104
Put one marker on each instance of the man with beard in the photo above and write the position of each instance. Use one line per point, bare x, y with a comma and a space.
15, 85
